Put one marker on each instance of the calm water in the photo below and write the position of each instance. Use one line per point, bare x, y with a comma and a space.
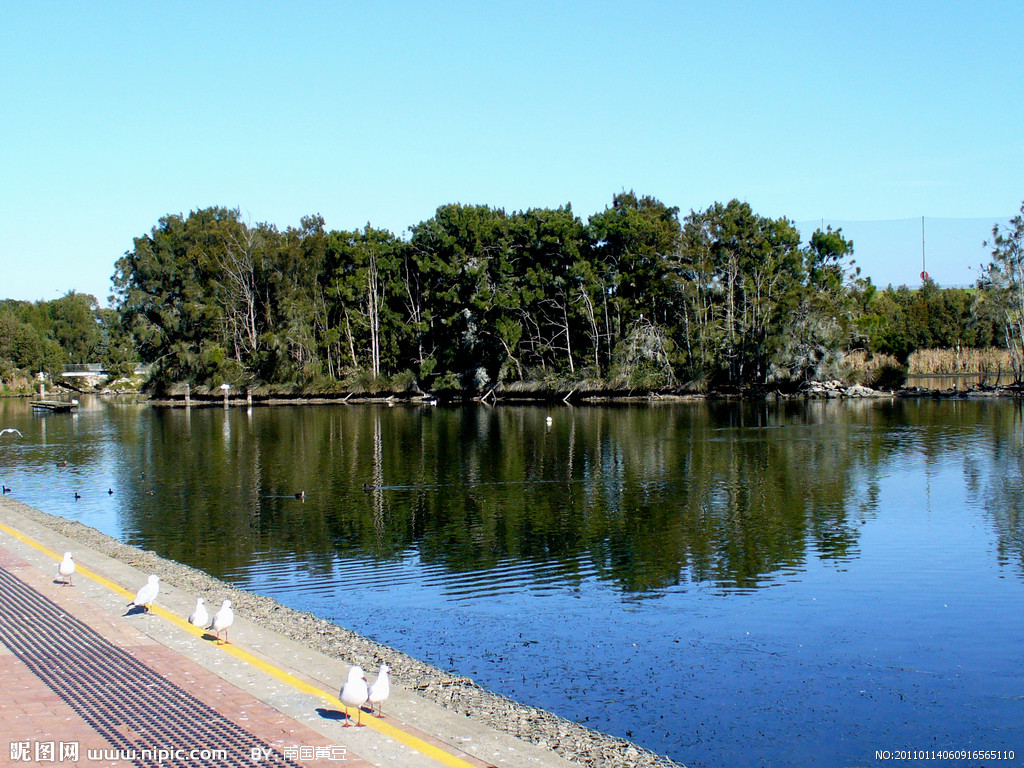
733, 585
960, 381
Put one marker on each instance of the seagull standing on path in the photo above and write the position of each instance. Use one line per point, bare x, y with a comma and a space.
354, 694
222, 619
66, 569
147, 594
10, 429
199, 615
380, 690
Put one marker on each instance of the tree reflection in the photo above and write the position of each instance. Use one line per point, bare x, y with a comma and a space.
1001, 490
647, 498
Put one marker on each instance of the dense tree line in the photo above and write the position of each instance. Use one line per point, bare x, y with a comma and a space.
633, 297
901, 321
47, 335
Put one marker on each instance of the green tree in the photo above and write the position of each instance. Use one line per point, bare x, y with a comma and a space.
167, 292
77, 328
901, 321
821, 323
365, 291
25, 347
636, 243
553, 310
1003, 286
297, 342
746, 276
465, 261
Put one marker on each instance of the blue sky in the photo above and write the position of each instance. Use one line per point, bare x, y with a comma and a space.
115, 114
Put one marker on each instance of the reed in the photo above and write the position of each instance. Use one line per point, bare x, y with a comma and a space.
863, 366
959, 360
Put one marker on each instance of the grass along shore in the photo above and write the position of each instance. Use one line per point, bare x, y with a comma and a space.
960, 360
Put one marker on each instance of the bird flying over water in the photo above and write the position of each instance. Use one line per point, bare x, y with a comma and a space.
66, 569
10, 429
199, 615
380, 690
147, 594
354, 694
222, 620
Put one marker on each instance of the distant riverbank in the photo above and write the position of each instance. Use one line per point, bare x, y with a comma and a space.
935, 386
1000, 383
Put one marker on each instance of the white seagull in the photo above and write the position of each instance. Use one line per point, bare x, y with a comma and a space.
354, 694
66, 569
11, 429
199, 615
380, 690
222, 619
147, 594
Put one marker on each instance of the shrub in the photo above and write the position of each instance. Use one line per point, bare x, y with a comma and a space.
888, 376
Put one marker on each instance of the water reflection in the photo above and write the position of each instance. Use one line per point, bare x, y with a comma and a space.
473, 489
961, 382
1001, 490
645, 498
771, 573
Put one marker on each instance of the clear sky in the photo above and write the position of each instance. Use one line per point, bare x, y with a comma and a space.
115, 114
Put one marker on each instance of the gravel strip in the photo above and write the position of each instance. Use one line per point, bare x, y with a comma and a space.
460, 694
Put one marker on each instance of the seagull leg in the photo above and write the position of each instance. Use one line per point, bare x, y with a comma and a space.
348, 717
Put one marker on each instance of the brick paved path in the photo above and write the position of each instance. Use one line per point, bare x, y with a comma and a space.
74, 687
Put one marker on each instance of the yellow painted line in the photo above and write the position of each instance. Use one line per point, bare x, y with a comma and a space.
403, 737
78, 568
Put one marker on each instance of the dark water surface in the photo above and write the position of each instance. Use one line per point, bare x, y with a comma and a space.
729, 584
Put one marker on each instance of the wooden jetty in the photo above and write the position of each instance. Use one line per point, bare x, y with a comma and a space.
55, 406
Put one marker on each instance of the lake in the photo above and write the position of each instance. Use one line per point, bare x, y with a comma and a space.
731, 584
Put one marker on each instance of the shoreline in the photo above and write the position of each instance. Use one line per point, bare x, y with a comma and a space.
535, 393
570, 740
818, 391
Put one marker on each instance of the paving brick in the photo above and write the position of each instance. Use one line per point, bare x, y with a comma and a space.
33, 714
